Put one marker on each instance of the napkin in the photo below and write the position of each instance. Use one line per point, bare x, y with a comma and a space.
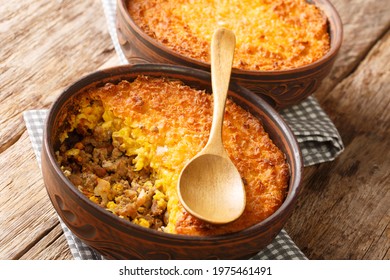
317, 137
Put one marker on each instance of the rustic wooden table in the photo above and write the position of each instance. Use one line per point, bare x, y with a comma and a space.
344, 209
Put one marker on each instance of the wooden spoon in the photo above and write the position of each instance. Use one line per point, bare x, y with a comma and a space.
209, 186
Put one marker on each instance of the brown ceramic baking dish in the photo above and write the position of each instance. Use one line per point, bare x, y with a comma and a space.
116, 238
281, 88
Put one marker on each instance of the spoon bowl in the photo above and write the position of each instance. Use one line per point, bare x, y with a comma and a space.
217, 196
210, 186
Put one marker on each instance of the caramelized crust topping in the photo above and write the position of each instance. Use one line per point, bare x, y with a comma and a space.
271, 34
144, 132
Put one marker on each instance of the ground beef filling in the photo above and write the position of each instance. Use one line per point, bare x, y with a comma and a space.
124, 145
100, 169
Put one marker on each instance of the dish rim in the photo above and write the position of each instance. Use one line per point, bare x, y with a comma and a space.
95, 78
335, 31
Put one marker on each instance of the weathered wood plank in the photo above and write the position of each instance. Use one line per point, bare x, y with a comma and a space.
380, 248
26, 212
43, 49
53, 246
350, 197
23, 221
364, 23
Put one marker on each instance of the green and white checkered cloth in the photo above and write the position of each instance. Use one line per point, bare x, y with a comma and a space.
317, 136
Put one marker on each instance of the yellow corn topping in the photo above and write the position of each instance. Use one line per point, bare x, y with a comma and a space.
159, 124
271, 34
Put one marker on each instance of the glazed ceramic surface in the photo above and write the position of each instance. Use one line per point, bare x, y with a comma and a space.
116, 238
279, 88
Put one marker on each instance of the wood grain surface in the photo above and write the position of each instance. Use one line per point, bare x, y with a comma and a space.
343, 211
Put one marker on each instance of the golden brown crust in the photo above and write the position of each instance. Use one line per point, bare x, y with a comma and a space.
271, 35
169, 122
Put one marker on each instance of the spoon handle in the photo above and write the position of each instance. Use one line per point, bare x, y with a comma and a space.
222, 53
